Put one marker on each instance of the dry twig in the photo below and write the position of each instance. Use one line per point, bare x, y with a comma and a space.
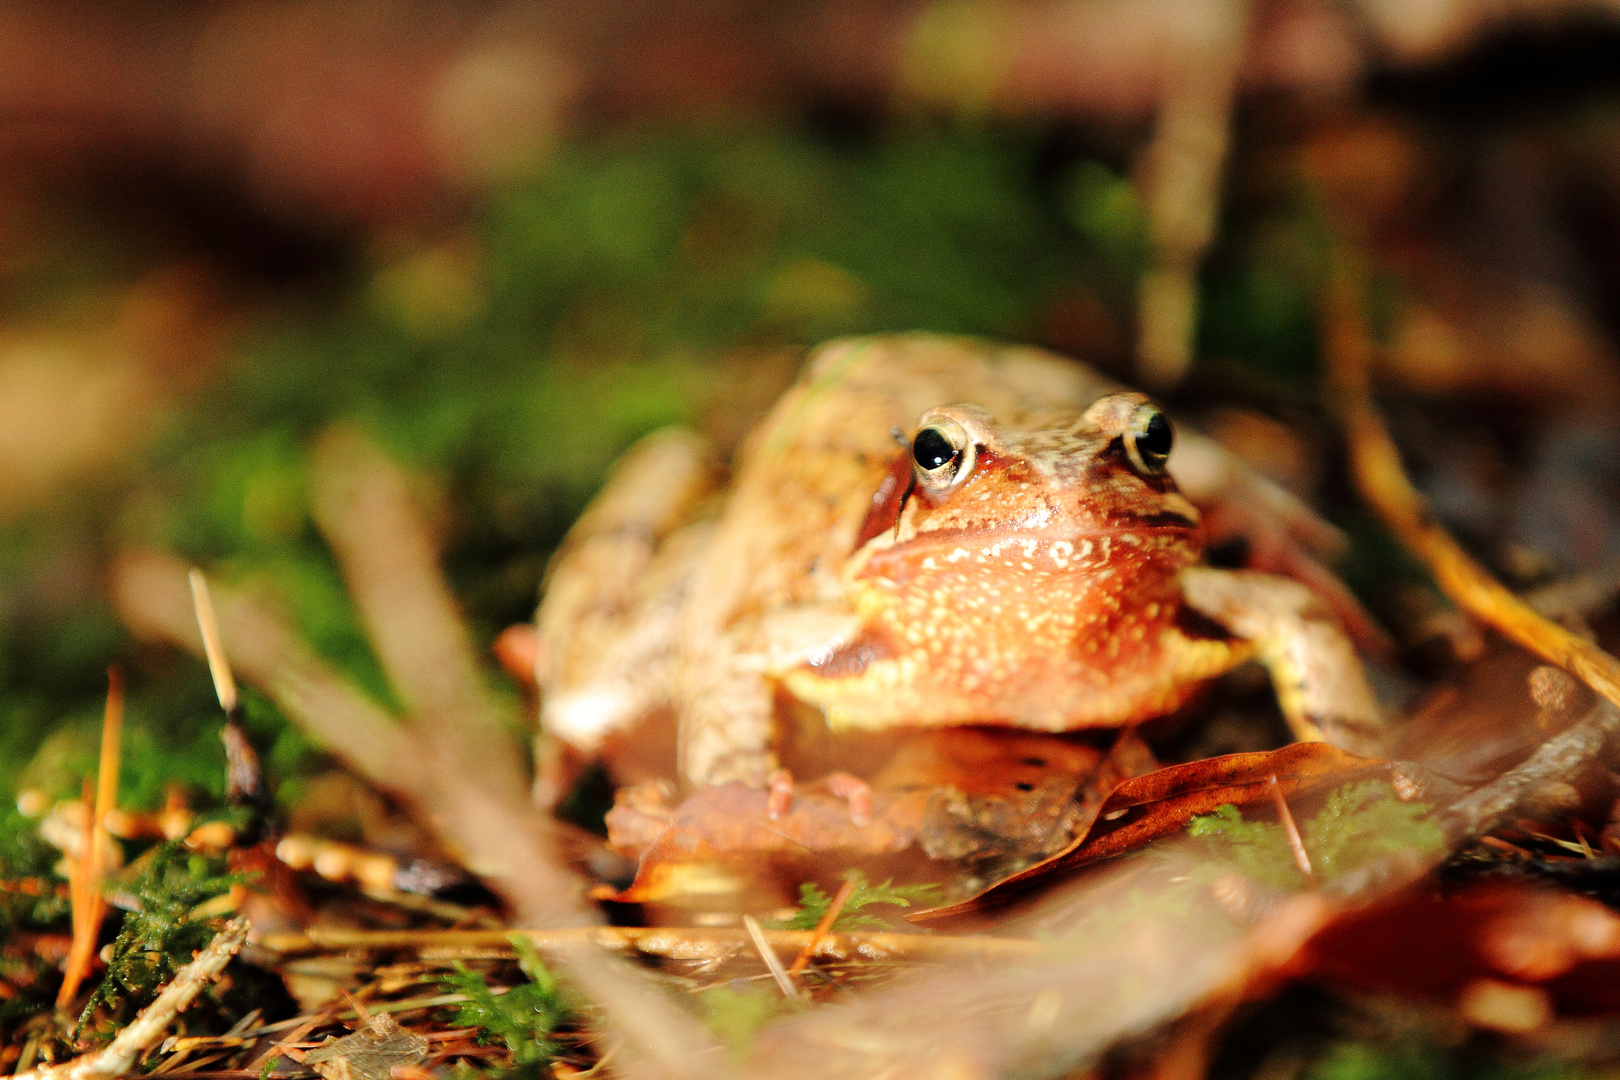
773, 963
1296, 843
1376, 465
86, 873
1377, 469
671, 943
824, 925
118, 1057
1181, 180
244, 780
1485, 808
452, 757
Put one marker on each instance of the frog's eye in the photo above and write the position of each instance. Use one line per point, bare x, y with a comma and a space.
1148, 441
942, 455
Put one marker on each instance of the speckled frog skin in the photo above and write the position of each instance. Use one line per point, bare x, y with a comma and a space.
925, 531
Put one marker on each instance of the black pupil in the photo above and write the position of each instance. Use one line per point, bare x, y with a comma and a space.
1155, 441
932, 450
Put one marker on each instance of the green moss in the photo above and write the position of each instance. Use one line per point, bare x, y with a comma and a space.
1358, 823
524, 1018
738, 1011
813, 903
159, 935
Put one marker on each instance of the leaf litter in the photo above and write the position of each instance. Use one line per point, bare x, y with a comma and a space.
1220, 913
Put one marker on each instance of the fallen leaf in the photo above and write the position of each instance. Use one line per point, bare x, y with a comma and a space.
1483, 937
371, 1053
985, 796
1144, 808
712, 841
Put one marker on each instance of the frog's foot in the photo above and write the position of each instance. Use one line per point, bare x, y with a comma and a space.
1274, 546
852, 789
1281, 534
1320, 683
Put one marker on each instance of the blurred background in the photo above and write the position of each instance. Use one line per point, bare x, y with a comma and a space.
507, 238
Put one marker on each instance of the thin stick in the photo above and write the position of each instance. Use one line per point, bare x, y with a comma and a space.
243, 778
1376, 465
218, 666
112, 730
1182, 171
836, 908
118, 1057
671, 943
78, 873
1296, 843
89, 907
773, 963
1558, 760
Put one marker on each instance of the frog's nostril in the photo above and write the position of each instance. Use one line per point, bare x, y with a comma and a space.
1033, 762
1022, 786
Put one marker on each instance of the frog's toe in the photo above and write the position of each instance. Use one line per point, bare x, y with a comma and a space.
854, 791
779, 793
857, 793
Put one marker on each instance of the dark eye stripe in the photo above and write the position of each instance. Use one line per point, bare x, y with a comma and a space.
1166, 517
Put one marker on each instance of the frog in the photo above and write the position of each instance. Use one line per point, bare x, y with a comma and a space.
930, 531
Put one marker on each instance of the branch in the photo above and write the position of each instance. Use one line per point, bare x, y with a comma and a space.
1376, 466
118, 1057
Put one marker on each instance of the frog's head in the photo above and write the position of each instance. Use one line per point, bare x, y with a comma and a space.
966, 482
1005, 573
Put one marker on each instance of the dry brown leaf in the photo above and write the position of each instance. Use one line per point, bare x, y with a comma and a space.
1160, 803
370, 1053
964, 793
1438, 947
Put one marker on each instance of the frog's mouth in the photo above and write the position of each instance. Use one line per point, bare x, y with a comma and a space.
1021, 549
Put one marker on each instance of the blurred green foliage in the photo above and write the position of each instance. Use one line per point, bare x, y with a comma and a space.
1415, 1059
739, 1010
523, 1018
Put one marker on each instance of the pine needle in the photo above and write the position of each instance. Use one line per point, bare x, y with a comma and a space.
86, 872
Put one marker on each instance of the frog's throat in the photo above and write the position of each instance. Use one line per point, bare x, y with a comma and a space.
887, 691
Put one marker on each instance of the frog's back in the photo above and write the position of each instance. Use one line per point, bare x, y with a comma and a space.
912, 373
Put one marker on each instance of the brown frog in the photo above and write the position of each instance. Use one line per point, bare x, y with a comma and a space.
933, 531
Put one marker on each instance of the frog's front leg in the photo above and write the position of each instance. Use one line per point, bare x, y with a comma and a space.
727, 722
609, 622
1282, 535
726, 725
1319, 680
